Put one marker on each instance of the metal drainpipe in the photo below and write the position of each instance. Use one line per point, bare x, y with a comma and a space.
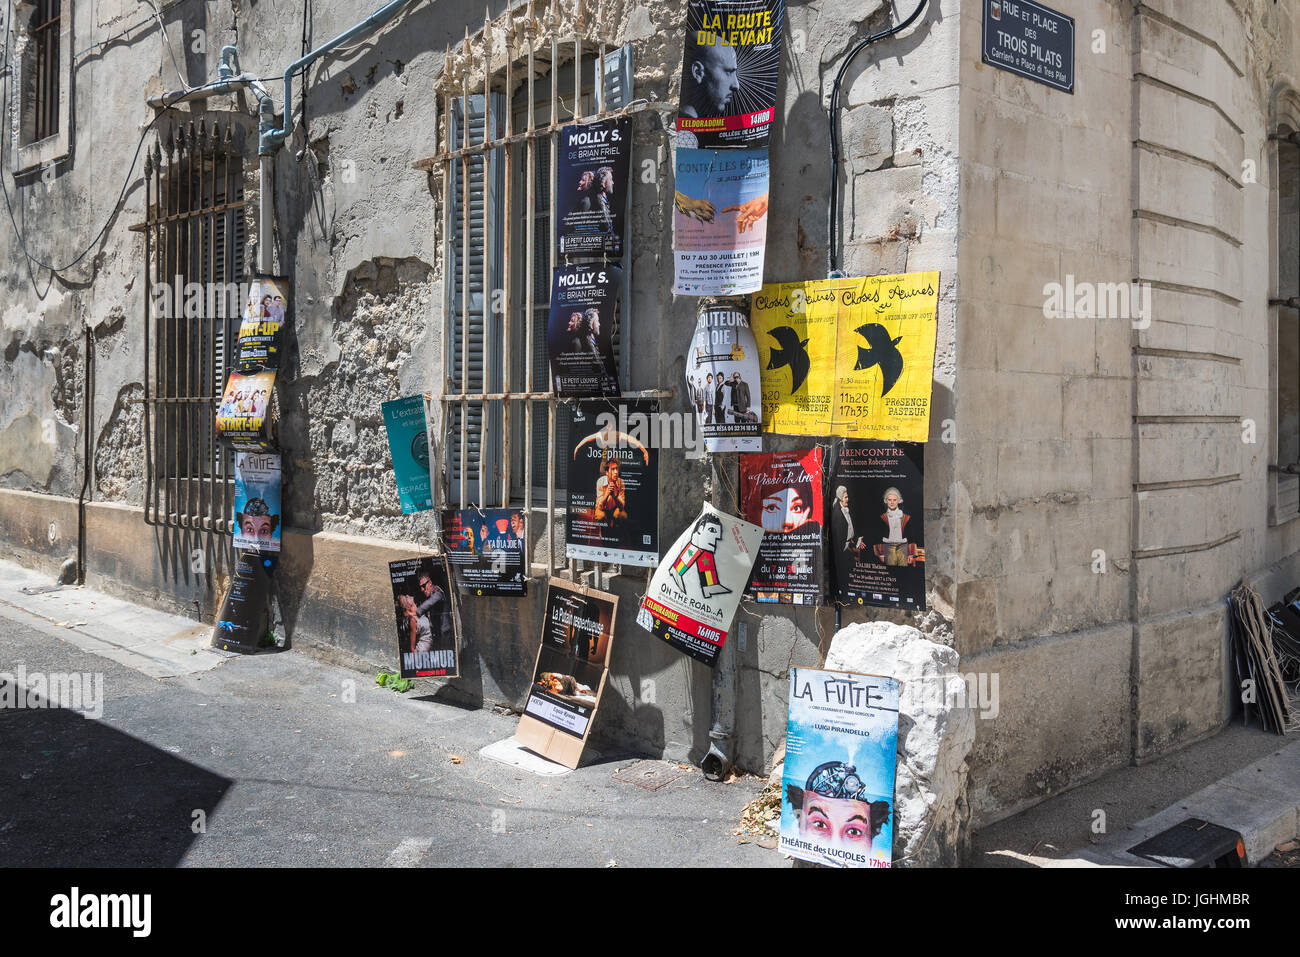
718, 761
273, 138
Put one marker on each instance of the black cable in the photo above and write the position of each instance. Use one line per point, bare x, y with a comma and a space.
306, 39
832, 227
22, 242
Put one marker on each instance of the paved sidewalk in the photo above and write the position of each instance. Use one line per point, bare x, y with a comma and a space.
282, 759
1243, 778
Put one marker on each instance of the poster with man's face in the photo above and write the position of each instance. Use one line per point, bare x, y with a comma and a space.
730, 70
427, 630
261, 329
837, 791
782, 492
591, 187
580, 329
257, 501
485, 549
696, 590
612, 512
877, 525
722, 380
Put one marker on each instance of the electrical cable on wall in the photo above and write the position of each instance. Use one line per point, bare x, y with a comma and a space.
832, 227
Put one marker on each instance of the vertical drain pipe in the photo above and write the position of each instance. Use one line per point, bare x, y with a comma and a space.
87, 450
722, 698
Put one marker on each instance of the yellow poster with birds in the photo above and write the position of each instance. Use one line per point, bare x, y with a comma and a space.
850, 357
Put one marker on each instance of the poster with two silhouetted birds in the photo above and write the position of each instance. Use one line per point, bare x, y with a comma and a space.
849, 357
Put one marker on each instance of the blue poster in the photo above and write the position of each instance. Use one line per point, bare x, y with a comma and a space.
720, 221
408, 443
837, 792
257, 501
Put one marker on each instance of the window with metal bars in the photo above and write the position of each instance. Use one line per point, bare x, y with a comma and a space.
42, 73
503, 435
194, 275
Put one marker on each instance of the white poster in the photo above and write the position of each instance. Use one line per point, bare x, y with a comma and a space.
696, 590
722, 380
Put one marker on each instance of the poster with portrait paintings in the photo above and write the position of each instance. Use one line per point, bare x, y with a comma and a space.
877, 524
719, 221
257, 501
612, 513
782, 492
485, 549
722, 380
837, 791
591, 187
694, 593
571, 670
580, 329
730, 72
428, 632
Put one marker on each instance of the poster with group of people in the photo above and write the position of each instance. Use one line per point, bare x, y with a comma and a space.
722, 378
612, 512
850, 357
580, 329
572, 666
427, 630
485, 549
242, 416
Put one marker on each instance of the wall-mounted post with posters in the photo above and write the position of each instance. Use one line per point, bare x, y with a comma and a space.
837, 791
571, 670
695, 592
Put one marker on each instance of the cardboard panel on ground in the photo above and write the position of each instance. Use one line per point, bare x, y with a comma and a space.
571, 670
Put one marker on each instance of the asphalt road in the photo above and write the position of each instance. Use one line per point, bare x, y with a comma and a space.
264, 761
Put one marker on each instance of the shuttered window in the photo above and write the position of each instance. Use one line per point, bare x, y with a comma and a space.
502, 436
